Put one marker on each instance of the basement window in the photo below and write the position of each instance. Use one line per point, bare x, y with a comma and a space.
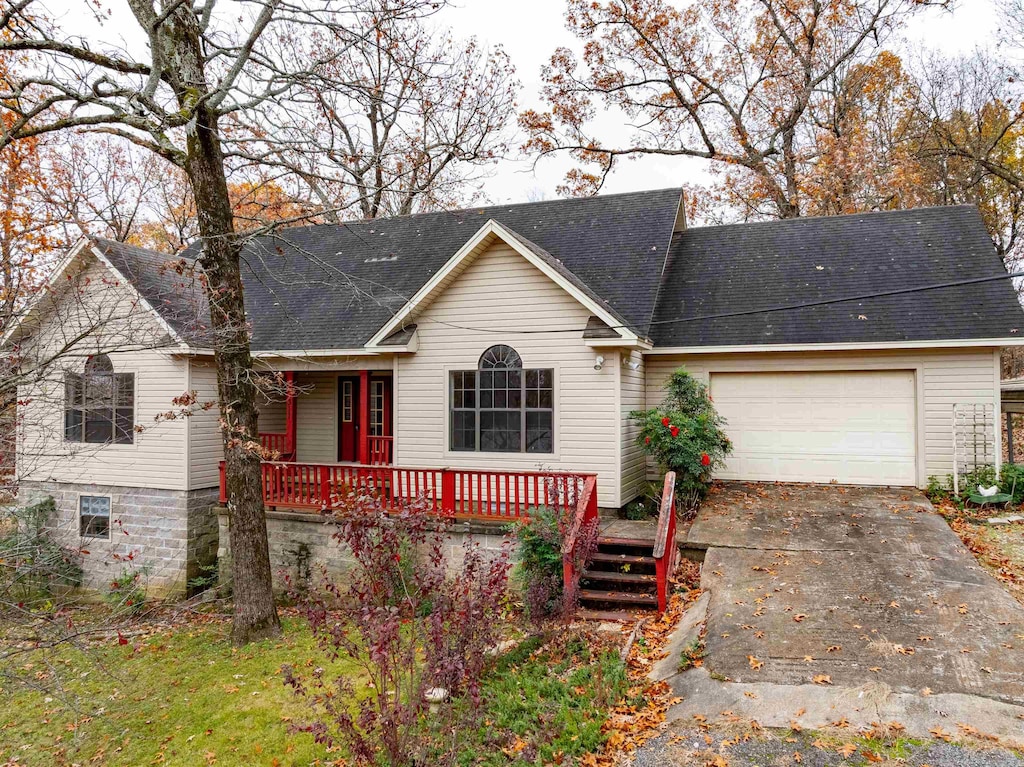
94, 516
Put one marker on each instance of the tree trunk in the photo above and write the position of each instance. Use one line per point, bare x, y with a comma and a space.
255, 615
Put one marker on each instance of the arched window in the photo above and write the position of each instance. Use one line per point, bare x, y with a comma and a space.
500, 357
501, 407
99, 404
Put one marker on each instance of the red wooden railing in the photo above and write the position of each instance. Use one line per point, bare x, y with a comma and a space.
467, 493
666, 552
275, 441
380, 450
585, 514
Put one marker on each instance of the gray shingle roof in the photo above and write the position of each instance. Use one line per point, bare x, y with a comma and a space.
173, 292
334, 286
724, 269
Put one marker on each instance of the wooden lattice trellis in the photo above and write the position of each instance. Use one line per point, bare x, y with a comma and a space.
975, 439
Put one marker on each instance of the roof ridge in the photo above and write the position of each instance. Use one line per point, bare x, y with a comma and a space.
454, 211
835, 217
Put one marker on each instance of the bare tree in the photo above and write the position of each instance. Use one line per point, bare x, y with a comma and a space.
408, 124
203, 66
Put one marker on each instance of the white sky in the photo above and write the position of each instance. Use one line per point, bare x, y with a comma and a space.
530, 30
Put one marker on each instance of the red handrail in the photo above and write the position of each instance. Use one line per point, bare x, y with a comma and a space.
467, 493
276, 442
585, 512
381, 450
665, 549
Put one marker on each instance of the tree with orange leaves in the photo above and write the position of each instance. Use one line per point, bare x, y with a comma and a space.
755, 86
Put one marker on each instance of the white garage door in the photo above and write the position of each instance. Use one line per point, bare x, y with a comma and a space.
848, 427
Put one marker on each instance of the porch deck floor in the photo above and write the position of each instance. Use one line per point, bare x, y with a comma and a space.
635, 529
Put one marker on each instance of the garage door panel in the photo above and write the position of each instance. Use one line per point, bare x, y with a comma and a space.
854, 427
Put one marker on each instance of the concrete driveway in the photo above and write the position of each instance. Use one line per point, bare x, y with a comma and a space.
849, 586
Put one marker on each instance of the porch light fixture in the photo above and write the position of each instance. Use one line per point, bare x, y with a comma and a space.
598, 362
631, 364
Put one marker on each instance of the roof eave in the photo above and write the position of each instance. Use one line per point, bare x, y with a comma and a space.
842, 346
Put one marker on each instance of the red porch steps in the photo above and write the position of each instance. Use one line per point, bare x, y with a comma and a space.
620, 582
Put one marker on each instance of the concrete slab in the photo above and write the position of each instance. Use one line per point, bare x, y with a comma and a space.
815, 707
813, 518
860, 585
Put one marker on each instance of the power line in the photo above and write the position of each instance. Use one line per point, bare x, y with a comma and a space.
765, 310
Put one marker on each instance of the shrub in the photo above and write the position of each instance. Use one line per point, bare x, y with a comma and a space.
1011, 477
685, 435
405, 622
126, 593
32, 564
540, 570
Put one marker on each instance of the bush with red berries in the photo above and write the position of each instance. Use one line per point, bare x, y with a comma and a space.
685, 435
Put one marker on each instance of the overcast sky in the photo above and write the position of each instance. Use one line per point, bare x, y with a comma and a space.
530, 30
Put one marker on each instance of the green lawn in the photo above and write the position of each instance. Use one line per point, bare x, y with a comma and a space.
186, 697
181, 698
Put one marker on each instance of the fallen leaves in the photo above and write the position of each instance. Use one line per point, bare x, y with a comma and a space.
755, 664
821, 679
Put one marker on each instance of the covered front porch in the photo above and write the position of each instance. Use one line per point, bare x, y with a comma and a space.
348, 418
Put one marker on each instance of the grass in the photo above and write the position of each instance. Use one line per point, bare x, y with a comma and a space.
545, 702
184, 697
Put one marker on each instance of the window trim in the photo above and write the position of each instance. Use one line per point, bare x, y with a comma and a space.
110, 516
532, 459
135, 411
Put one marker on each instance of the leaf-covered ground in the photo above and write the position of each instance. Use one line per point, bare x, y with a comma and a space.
181, 695
998, 548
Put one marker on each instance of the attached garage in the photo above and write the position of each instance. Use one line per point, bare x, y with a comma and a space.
851, 427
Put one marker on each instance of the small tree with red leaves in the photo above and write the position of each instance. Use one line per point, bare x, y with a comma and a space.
409, 624
685, 435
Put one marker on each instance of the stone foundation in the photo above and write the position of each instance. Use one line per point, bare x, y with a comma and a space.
301, 543
170, 534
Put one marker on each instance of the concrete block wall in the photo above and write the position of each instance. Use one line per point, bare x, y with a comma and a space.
166, 532
301, 543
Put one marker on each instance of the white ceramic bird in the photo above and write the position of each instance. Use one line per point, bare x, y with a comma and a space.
987, 491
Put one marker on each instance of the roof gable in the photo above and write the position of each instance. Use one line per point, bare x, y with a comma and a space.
491, 232
79, 257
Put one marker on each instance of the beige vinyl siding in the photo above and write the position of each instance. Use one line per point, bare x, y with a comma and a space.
503, 293
632, 396
114, 322
272, 415
943, 377
316, 418
206, 446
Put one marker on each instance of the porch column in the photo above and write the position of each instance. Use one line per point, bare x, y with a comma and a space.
364, 416
290, 411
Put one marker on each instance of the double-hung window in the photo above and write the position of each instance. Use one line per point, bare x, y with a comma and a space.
99, 404
501, 407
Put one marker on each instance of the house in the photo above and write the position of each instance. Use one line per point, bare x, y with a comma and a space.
483, 344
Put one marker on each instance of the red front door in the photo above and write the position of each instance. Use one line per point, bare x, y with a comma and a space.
348, 418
